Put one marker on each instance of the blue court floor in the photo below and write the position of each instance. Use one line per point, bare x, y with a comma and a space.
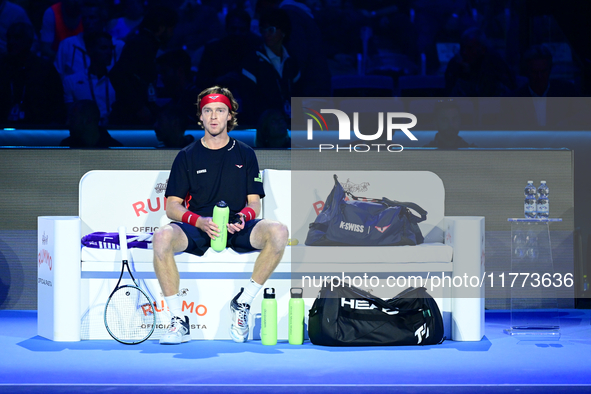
498, 364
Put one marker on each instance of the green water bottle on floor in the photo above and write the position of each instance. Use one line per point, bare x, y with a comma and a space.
269, 318
296, 316
221, 213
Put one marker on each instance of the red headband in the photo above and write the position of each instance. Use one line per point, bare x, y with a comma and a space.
215, 98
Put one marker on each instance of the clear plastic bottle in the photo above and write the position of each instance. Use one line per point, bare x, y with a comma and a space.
529, 207
543, 201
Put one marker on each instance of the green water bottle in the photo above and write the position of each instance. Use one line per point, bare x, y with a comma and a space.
269, 318
296, 316
221, 213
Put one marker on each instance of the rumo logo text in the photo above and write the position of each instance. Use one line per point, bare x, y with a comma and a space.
199, 310
45, 257
140, 206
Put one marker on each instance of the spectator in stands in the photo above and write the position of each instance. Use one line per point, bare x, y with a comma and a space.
436, 20
60, 21
234, 48
306, 46
340, 44
537, 62
478, 70
134, 75
170, 129
174, 68
272, 130
10, 14
270, 75
448, 121
35, 11
30, 88
85, 131
133, 14
543, 109
72, 56
94, 84
199, 23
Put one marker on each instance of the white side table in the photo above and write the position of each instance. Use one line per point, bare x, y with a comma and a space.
58, 278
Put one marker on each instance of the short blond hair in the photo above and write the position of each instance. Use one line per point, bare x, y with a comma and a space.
226, 92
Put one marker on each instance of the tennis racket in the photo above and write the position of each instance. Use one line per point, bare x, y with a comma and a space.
129, 313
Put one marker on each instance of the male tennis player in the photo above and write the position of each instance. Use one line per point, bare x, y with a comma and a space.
214, 168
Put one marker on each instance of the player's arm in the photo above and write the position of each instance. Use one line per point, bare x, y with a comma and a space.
249, 212
253, 201
175, 210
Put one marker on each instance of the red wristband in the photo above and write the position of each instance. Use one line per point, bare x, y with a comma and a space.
248, 213
190, 218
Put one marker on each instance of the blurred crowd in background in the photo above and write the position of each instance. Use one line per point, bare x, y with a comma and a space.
99, 64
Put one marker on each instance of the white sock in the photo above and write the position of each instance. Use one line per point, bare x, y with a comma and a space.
175, 305
250, 292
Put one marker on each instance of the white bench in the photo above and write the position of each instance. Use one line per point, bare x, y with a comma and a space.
454, 246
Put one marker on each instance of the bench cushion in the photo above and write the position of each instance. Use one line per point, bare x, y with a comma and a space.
406, 255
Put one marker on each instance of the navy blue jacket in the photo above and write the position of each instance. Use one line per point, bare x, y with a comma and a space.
263, 87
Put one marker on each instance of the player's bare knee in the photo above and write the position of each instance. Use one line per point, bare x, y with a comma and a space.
162, 240
282, 233
277, 235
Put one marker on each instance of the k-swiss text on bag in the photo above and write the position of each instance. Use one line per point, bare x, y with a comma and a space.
364, 221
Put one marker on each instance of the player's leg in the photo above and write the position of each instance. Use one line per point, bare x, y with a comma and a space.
167, 241
270, 238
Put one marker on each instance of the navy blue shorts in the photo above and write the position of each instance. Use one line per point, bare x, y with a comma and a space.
199, 241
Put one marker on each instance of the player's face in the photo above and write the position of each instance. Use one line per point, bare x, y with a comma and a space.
215, 117
272, 36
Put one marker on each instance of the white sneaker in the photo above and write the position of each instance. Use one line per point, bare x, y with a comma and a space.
240, 315
178, 332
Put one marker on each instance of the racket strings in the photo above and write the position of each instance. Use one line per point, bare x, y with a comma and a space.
129, 315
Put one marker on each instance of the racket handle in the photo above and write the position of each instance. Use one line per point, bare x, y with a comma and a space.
123, 242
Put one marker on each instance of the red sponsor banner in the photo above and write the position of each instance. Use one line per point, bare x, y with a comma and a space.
142, 207
199, 309
45, 257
